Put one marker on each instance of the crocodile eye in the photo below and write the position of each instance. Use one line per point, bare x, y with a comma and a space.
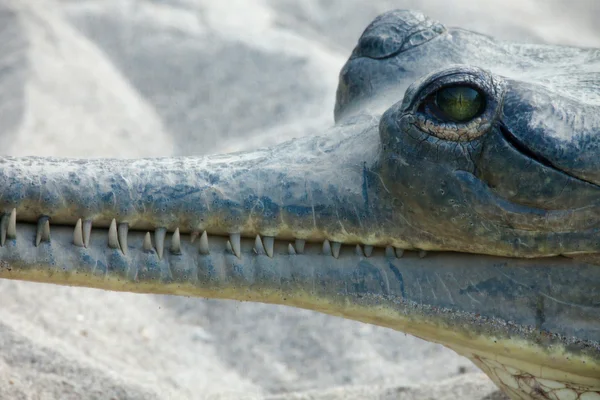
458, 103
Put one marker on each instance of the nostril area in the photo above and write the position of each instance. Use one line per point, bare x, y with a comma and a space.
394, 32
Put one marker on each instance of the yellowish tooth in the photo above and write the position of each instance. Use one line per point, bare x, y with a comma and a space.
204, 244
235, 241
291, 249
326, 248
269, 242
38, 234
258, 246
159, 241
147, 246
87, 232
3, 228
359, 251
299, 245
11, 230
399, 252
113, 238
122, 231
389, 252
43, 231
335, 249
78, 234
176, 242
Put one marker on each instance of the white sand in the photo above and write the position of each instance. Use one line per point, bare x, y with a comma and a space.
144, 78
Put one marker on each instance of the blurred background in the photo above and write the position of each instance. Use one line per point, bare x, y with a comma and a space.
125, 78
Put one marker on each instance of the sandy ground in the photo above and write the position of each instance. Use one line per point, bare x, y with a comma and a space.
140, 78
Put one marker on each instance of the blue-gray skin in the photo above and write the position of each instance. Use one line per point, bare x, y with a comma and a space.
507, 203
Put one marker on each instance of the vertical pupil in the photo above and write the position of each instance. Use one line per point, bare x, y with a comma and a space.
459, 103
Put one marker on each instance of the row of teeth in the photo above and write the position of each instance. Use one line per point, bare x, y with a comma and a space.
117, 239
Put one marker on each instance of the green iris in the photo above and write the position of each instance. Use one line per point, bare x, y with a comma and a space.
459, 103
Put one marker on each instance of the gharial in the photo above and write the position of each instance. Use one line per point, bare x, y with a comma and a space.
457, 198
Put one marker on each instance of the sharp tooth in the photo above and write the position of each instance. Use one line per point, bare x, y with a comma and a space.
87, 232
147, 242
335, 249
159, 241
46, 231
40, 227
11, 230
193, 236
359, 251
269, 242
291, 249
229, 248
176, 242
78, 234
43, 230
258, 246
234, 238
326, 248
299, 245
204, 244
113, 239
3, 227
422, 253
122, 231
389, 252
368, 251
399, 252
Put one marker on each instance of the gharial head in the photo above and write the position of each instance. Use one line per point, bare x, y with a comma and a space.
498, 141
486, 154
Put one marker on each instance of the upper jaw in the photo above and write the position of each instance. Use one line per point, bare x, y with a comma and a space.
310, 188
368, 181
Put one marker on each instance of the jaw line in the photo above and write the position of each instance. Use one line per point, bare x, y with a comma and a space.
513, 215
522, 148
444, 297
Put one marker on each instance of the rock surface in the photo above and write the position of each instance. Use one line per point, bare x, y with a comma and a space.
124, 78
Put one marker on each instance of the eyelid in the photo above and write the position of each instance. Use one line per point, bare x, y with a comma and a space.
491, 87
430, 107
448, 81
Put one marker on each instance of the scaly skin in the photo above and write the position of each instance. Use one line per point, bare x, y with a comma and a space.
507, 203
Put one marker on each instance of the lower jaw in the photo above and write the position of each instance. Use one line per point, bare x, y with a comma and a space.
350, 285
525, 380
